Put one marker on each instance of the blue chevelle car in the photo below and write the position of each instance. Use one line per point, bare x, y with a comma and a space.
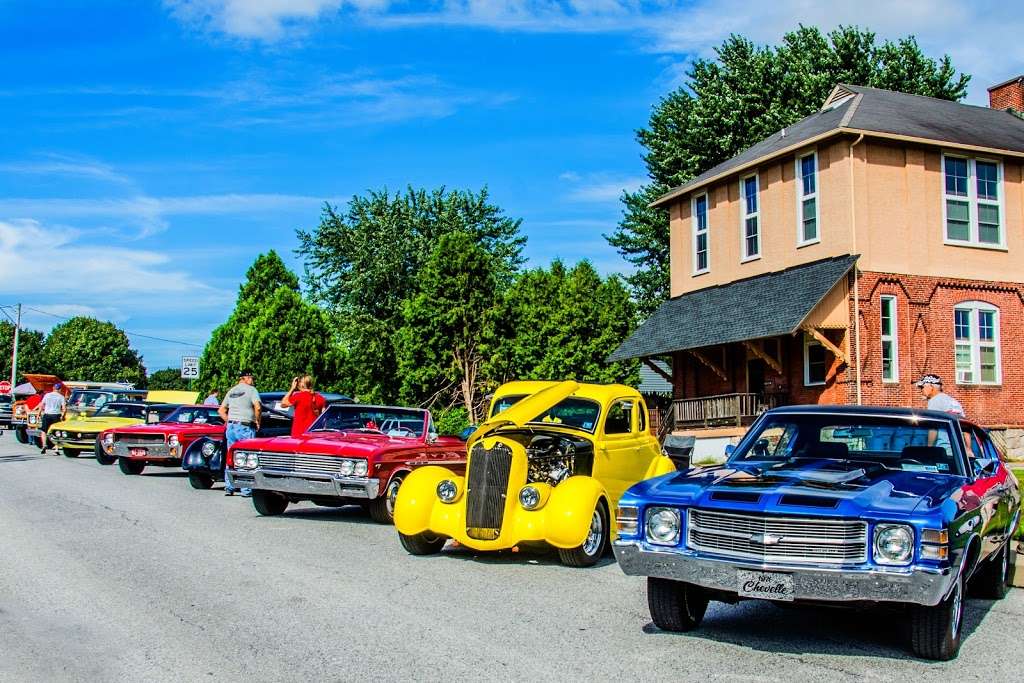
831, 504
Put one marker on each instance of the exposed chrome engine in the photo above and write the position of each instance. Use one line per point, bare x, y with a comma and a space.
552, 458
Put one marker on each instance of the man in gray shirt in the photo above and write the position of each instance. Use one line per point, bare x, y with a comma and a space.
51, 409
241, 411
931, 388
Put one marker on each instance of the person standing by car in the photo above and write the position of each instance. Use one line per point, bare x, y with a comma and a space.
307, 403
241, 413
931, 389
213, 399
51, 409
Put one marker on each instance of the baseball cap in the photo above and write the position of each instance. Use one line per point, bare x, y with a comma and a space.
929, 379
58, 385
245, 373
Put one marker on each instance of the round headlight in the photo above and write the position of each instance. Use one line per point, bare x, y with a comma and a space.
241, 459
361, 468
447, 491
663, 526
894, 544
172, 440
79, 435
209, 448
347, 467
529, 497
254, 460
108, 439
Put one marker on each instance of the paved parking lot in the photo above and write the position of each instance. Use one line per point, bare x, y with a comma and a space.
108, 577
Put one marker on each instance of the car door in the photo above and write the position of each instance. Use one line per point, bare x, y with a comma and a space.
619, 460
1009, 501
988, 486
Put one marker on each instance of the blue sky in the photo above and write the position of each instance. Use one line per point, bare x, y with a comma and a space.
150, 150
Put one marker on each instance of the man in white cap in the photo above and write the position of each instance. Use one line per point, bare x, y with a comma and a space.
931, 388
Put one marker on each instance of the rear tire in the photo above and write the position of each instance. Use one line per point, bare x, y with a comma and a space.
422, 544
269, 503
130, 467
593, 548
675, 605
198, 480
990, 580
21, 435
382, 508
935, 632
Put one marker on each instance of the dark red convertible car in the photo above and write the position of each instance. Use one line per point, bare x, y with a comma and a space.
351, 455
161, 444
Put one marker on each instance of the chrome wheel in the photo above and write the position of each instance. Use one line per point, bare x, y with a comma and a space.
958, 608
392, 495
596, 534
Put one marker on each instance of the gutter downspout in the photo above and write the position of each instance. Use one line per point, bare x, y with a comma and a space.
856, 277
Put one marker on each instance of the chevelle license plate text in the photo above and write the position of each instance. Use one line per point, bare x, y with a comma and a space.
137, 452
764, 585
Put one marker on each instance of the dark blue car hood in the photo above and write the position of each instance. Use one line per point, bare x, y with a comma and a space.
811, 487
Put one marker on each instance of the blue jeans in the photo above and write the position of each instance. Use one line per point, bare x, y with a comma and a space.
236, 432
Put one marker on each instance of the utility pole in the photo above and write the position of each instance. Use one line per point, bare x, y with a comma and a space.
14, 354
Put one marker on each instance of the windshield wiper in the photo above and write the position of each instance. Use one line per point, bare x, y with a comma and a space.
323, 429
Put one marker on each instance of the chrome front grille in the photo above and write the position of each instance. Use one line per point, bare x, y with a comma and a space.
764, 538
139, 439
486, 490
300, 463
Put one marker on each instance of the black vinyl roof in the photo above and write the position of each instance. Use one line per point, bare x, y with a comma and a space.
766, 305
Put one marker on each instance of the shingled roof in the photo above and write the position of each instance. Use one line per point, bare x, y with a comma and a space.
855, 109
767, 305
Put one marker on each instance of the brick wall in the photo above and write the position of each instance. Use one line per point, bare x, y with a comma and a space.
1009, 95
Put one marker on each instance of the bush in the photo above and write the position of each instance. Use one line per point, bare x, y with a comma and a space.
452, 421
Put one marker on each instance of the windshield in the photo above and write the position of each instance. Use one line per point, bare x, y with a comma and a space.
578, 413
83, 399
903, 443
505, 402
391, 421
122, 410
196, 415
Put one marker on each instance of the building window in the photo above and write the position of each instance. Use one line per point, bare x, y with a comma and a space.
815, 362
750, 218
890, 341
972, 199
976, 345
701, 262
807, 198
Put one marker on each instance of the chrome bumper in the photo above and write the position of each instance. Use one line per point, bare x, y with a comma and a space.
915, 584
153, 452
331, 486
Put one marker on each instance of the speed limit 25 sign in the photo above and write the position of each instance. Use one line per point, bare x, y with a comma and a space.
190, 367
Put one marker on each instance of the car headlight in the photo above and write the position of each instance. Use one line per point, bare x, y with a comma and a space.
241, 459
108, 439
663, 526
172, 441
529, 497
254, 460
347, 467
894, 544
447, 491
209, 448
362, 467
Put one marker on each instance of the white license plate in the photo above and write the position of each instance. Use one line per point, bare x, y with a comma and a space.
764, 585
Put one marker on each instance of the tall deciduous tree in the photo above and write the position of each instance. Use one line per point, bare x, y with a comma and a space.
31, 357
364, 263
744, 95
88, 349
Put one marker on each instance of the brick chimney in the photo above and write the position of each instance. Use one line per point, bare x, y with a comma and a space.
1008, 95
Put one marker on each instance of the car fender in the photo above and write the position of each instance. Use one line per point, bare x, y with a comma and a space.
569, 510
659, 466
418, 496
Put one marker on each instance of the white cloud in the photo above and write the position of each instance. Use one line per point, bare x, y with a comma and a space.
600, 188
75, 167
267, 20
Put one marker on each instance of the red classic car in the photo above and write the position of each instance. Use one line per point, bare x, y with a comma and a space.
163, 443
351, 455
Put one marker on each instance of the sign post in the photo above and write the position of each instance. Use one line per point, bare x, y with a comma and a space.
190, 368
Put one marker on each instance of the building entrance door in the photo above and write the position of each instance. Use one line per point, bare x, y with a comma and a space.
755, 376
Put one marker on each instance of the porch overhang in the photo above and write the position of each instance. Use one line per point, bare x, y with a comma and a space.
763, 306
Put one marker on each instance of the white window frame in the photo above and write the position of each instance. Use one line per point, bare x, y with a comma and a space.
892, 337
801, 197
810, 341
745, 214
706, 232
975, 342
973, 201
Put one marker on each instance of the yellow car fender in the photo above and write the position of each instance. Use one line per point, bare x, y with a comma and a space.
570, 509
659, 466
418, 496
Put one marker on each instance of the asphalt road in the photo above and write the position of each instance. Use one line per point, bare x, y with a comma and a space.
107, 577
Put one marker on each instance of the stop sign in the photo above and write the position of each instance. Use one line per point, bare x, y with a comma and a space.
5, 386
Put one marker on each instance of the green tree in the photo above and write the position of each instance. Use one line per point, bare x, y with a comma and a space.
560, 323
747, 93
363, 264
168, 379
441, 345
31, 356
272, 332
88, 349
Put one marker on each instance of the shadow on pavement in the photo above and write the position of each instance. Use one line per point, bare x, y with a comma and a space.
170, 475
348, 514
538, 554
21, 457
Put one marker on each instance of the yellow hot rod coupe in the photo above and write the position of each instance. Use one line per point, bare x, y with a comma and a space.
548, 466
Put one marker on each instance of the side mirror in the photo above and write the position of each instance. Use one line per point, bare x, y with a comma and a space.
432, 438
985, 467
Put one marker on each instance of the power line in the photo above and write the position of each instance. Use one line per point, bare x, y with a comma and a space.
134, 334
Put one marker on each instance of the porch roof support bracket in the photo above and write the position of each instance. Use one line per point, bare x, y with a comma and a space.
755, 348
709, 363
824, 341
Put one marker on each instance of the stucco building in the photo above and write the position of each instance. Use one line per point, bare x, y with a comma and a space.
839, 259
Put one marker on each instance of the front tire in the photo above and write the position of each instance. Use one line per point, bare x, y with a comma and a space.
198, 480
594, 546
990, 581
101, 456
675, 605
269, 503
382, 508
935, 632
70, 452
21, 435
422, 544
130, 467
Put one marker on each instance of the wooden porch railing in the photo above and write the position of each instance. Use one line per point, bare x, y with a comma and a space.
722, 410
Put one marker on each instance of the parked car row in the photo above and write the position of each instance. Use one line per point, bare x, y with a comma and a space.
837, 505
